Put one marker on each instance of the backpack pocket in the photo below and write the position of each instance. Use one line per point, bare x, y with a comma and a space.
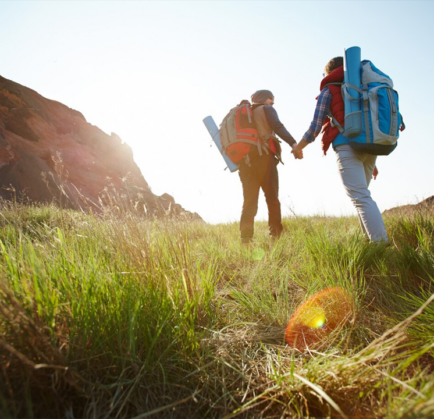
237, 151
385, 117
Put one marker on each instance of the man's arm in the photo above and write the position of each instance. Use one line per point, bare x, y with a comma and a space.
275, 124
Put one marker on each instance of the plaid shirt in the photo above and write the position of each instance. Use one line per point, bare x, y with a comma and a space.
321, 111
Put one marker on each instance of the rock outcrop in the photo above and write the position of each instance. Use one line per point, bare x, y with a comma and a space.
49, 151
425, 206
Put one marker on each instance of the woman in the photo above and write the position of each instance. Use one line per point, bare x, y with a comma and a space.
356, 168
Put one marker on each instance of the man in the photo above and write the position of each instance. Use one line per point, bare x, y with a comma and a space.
259, 170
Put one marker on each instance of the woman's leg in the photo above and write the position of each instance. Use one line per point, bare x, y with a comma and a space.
368, 164
354, 170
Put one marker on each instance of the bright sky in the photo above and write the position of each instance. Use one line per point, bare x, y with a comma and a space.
151, 71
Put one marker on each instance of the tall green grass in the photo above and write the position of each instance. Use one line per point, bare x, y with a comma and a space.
112, 315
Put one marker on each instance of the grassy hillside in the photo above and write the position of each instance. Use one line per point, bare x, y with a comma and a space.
113, 316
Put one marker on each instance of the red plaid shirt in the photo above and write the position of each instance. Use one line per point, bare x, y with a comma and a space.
321, 111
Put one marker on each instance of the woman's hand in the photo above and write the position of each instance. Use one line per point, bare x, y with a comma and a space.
297, 151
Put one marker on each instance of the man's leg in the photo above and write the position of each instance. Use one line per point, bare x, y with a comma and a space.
270, 186
251, 187
354, 178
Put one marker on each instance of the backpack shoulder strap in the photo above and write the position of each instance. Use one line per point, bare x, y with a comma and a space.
333, 120
335, 123
333, 83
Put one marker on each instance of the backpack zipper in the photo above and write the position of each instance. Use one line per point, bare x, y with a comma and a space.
393, 115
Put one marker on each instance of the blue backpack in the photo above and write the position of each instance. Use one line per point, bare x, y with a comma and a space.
381, 121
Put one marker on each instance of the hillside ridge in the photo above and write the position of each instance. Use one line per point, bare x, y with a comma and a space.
48, 150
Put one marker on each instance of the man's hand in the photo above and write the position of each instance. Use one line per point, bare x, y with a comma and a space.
375, 173
298, 152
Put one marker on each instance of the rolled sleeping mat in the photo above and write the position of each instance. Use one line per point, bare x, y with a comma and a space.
215, 135
352, 98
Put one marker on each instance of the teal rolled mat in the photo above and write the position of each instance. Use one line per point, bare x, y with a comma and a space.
352, 97
215, 135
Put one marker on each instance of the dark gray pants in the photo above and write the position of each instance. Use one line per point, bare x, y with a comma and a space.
261, 174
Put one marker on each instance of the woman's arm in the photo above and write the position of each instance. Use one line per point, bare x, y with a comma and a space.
321, 111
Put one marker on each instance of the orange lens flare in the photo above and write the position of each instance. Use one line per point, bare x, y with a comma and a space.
313, 317
316, 318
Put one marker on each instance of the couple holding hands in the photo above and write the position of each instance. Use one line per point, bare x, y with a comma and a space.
356, 168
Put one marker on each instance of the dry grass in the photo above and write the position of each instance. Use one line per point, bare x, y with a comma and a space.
117, 316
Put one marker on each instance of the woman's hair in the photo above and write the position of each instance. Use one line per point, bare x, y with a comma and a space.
333, 64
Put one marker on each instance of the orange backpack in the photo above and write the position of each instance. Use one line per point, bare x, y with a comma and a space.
238, 132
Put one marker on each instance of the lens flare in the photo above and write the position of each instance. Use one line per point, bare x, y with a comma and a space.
313, 317
258, 254
316, 318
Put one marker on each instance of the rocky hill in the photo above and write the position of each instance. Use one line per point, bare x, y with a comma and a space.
425, 206
49, 151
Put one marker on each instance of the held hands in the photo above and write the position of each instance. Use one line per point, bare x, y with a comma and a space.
297, 151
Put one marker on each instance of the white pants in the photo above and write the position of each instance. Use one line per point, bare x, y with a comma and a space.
355, 169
